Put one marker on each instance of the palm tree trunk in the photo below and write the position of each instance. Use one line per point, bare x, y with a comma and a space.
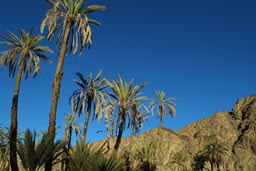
211, 166
120, 132
86, 122
14, 122
161, 122
56, 90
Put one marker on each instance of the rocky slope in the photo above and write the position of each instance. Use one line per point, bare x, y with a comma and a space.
237, 129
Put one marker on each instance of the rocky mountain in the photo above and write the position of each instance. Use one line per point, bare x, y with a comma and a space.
236, 129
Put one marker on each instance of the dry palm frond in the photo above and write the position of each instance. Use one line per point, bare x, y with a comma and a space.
74, 13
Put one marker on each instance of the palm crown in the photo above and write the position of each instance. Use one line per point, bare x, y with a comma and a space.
73, 12
24, 53
126, 100
90, 93
215, 152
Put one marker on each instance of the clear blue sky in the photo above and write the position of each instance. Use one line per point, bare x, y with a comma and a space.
203, 53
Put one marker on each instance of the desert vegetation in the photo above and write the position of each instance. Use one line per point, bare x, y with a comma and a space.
121, 104
117, 101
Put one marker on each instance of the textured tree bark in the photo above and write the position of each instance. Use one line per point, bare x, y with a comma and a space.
14, 122
161, 122
87, 119
120, 132
56, 90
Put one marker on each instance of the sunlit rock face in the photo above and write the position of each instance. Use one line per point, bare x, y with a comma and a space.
236, 129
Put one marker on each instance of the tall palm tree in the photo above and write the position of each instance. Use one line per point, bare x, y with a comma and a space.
90, 94
70, 18
215, 152
69, 127
165, 106
24, 54
140, 114
124, 100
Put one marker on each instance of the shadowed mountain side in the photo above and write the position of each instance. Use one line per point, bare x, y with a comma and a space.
235, 129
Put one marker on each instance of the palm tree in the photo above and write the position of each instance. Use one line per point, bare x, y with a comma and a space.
215, 152
140, 114
165, 106
24, 54
124, 100
34, 154
90, 94
69, 127
70, 17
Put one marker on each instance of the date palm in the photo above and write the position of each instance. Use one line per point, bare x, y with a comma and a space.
140, 114
215, 152
165, 106
69, 17
198, 162
34, 154
25, 55
124, 101
90, 94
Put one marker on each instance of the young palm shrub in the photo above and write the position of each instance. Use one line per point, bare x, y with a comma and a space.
34, 154
111, 163
179, 160
80, 158
145, 158
4, 162
4, 150
198, 162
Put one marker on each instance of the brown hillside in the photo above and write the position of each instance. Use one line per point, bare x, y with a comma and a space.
237, 129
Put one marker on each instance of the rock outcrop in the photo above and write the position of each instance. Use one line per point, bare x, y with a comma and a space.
236, 129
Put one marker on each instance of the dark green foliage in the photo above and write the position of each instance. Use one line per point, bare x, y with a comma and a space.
89, 97
179, 160
34, 154
111, 163
198, 162
4, 149
145, 158
82, 157
215, 152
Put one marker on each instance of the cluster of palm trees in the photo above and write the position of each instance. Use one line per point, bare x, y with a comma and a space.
69, 21
121, 107
214, 153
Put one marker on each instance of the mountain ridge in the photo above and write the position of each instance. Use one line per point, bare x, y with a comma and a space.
236, 129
